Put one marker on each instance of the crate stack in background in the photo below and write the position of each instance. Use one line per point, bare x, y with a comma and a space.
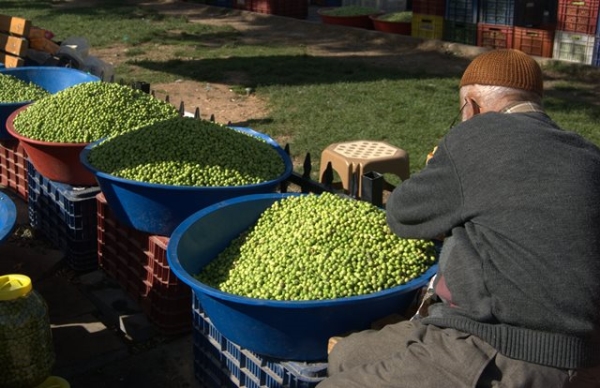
577, 31
495, 27
527, 26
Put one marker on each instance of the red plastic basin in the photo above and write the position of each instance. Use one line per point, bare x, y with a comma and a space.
55, 161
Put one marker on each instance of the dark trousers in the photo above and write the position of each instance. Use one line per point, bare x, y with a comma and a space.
412, 355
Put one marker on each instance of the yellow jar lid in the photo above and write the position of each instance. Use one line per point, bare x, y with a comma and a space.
54, 382
14, 286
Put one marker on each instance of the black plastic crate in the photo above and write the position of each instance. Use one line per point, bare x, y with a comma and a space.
66, 216
219, 362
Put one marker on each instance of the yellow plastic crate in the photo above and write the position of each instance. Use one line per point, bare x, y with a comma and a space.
427, 26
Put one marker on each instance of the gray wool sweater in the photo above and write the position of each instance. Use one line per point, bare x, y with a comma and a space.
519, 202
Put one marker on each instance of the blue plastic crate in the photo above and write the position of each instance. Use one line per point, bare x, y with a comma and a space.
497, 12
596, 54
219, 362
66, 216
462, 11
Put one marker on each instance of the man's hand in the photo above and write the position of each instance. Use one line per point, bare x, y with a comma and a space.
430, 155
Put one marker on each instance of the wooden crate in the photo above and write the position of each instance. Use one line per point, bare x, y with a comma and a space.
13, 40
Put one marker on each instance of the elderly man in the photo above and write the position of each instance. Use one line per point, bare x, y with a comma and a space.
517, 200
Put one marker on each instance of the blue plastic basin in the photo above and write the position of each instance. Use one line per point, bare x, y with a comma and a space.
8, 216
53, 79
286, 330
159, 209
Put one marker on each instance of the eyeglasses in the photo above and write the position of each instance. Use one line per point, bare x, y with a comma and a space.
458, 115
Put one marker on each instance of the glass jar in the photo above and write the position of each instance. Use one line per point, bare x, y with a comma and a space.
26, 347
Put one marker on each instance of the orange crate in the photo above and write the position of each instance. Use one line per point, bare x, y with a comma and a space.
495, 36
577, 16
534, 41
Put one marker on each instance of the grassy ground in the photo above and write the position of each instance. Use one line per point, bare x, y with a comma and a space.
314, 100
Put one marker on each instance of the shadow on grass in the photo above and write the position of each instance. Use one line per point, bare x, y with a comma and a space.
290, 70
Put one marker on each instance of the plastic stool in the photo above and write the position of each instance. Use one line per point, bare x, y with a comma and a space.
363, 156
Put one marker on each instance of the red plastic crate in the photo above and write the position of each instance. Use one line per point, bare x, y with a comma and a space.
159, 275
168, 301
119, 250
13, 167
291, 8
534, 41
137, 262
429, 7
495, 36
577, 16
170, 315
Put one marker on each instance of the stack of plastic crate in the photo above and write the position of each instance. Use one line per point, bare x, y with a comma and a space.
219, 362
428, 19
524, 25
137, 262
495, 27
535, 24
460, 21
13, 167
576, 34
66, 216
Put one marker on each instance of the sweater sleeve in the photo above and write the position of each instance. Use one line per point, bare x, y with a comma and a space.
428, 204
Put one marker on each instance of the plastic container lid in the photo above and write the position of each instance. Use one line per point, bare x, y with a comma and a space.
54, 382
14, 286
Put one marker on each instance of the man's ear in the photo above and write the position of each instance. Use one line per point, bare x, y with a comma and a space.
472, 108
